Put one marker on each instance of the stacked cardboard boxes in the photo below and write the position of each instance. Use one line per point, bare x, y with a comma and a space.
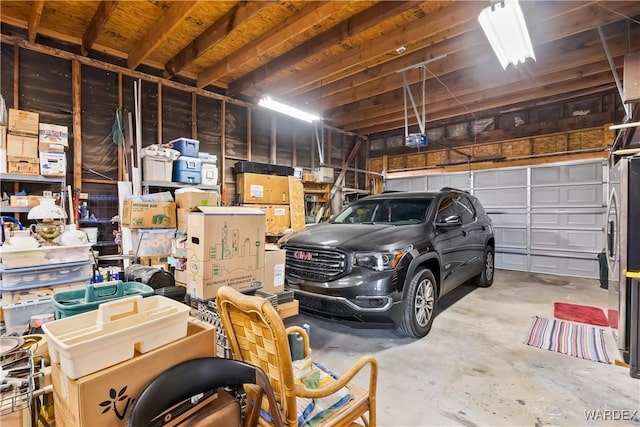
22, 143
53, 140
270, 193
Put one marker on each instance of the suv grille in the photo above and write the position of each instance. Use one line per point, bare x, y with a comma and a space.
318, 265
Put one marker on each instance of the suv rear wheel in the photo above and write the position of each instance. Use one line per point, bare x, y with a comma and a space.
419, 305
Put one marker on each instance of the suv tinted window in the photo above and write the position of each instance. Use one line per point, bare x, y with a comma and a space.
446, 208
467, 213
392, 211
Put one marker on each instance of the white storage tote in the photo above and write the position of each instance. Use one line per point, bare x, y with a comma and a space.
88, 342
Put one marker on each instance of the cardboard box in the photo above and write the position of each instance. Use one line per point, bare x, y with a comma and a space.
262, 189
3, 137
24, 201
51, 147
53, 164
23, 122
53, 134
182, 215
225, 248
278, 217
148, 214
22, 147
274, 260
23, 166
192, 199
105, 397
324, 174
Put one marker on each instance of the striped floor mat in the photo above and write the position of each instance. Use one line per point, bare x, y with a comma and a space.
574, 339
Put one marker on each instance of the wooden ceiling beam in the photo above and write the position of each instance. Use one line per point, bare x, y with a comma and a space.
444, 24
596, 83
492, 94
34, 19
471, 88
572, 51
220, 29
360, 87
310, 14
159, 31
333, 36
99, 20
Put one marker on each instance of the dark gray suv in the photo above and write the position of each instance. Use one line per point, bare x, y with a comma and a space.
386, 259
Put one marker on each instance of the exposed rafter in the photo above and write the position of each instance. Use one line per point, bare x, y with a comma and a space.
235, 17
159, 32
331, 37
100, 18
34, 19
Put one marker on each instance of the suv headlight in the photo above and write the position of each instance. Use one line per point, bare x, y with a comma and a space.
380, 261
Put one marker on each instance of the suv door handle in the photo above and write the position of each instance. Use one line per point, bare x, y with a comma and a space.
464, 232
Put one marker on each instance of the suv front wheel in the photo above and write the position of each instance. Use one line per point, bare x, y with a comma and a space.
419, 305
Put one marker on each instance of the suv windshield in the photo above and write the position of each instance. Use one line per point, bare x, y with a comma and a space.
384, 211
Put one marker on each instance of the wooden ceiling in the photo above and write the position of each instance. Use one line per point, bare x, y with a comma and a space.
341, 58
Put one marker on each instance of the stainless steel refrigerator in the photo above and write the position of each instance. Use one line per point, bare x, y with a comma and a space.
623, 253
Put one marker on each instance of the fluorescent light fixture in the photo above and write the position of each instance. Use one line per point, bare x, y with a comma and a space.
267, 101
625, 125
504, 25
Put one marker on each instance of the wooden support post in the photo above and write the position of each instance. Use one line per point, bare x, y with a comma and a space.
194, 115
223, 149
274, 129
120, 147
76, 87
159, 114
249, 118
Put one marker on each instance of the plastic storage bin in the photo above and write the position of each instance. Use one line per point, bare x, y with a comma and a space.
18, 316
95, 340
157, 168
187, 170
44, 255
187, 147
45, 275
80, 301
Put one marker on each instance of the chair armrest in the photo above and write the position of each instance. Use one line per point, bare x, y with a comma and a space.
305, 338
301, 391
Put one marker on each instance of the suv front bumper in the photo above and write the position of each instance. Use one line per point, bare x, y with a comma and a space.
368, 297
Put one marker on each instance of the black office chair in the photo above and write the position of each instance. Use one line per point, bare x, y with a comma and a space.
196, 376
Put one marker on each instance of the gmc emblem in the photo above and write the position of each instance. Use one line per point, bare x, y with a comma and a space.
307, 256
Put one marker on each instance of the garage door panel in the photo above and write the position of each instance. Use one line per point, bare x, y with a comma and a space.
508, 219
500, 178
567, 174
510, 237
588, 195
504, 198
458, 180
568, 240
566, 266
510, 261
567, 220
406, 184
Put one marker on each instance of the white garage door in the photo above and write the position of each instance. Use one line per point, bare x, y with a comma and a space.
548, 219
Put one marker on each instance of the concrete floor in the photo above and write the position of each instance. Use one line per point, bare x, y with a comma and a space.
473, 368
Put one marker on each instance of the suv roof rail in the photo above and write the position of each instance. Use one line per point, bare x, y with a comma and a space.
453, 189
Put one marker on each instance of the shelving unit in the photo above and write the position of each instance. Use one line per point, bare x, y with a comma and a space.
53, 183
146, 185
315, 195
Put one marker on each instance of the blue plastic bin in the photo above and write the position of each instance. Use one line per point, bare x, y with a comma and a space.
187, 147
187, 170
80, 301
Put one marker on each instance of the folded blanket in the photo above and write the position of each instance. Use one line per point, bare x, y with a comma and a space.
313, 376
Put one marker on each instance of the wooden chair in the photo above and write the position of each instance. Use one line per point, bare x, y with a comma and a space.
257, 336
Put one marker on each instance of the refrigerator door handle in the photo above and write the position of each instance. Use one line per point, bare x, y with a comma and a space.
612, 231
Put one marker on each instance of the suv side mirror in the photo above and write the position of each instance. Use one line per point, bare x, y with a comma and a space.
450, 221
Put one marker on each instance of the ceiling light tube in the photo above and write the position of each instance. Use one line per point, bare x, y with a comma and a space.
267, 101
505, 27
625, 125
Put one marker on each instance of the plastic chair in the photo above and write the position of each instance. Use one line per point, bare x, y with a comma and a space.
192, 377
257, 336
